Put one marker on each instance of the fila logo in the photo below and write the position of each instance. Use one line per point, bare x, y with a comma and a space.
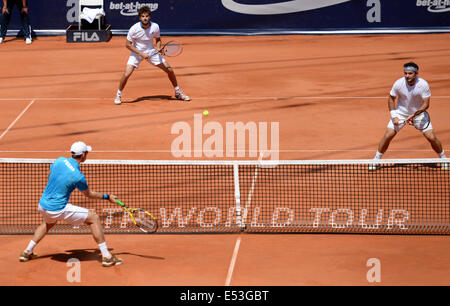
84, 36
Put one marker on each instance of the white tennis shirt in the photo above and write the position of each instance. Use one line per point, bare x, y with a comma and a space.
410, 98
142, 38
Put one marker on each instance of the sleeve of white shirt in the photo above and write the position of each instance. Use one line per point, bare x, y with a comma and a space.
426, 92
130, 35
394, 89
156, 34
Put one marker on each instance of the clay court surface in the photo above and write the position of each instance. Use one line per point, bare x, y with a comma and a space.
329, 95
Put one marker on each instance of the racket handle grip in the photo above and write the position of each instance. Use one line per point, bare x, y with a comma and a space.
119, 202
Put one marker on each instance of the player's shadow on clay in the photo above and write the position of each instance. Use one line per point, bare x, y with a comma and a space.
89, 255
150, 98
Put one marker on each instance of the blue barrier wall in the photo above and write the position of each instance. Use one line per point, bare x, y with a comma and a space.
252, 16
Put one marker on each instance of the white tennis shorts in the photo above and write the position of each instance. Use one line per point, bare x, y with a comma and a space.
135, 59
419, 121
71, 214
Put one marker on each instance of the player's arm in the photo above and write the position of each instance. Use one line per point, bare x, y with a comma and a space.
98, 195
129, 45
24, 7
5, 7
158, 43
391, 106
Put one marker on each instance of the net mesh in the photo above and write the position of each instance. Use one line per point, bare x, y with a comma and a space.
407, 197
403, 198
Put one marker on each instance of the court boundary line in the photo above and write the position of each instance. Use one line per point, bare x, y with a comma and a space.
237, 32
233, 261
249, 151
17, 119
223, 98
249, 198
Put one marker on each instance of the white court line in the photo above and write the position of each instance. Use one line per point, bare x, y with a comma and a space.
223, 98
52, 99
249, 198
169, 151
233, 262
18, 117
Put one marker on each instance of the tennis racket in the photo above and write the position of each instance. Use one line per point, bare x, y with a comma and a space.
144, 220
426, 118
172, 48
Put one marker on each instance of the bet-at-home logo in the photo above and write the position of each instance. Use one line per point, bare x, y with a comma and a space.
131, 8
435, 6
125, 8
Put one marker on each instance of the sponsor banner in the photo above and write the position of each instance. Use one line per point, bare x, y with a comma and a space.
87, 36
259, 219
253, 16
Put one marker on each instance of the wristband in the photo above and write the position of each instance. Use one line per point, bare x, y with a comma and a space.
393, 114
106, 196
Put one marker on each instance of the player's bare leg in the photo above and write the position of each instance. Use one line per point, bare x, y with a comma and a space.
435, 143
123, 82
386, 140
173, 79
170, 73
39, 233
94, 223
437, 147
383, 146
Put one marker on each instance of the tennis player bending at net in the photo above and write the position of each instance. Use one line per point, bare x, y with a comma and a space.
140, 42
413, 95
65, 176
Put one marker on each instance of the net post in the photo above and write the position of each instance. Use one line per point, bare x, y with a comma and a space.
237, 195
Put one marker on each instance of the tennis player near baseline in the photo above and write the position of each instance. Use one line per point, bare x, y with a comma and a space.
140, 42
65, 176
413, 95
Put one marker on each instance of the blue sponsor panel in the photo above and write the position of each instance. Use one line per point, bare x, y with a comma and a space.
48, 14
252, 16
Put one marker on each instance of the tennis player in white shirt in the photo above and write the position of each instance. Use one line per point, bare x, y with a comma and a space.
413, 95
140, 42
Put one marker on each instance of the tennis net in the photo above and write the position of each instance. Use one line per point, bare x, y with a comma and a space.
399, 196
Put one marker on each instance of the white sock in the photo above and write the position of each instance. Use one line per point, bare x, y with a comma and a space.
442, 154
378, 155
104, 250
30, 247
119, 92
177, 89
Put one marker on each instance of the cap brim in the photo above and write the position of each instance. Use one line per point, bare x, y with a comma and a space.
89, 148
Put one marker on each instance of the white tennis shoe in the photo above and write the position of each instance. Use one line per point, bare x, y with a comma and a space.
28, 41
374, 167
1, 40
118, 100
179, 95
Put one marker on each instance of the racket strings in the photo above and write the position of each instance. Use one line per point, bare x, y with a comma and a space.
421, 124
172, 48
145, 222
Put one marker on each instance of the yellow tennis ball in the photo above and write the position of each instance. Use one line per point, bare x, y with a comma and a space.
205, 113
